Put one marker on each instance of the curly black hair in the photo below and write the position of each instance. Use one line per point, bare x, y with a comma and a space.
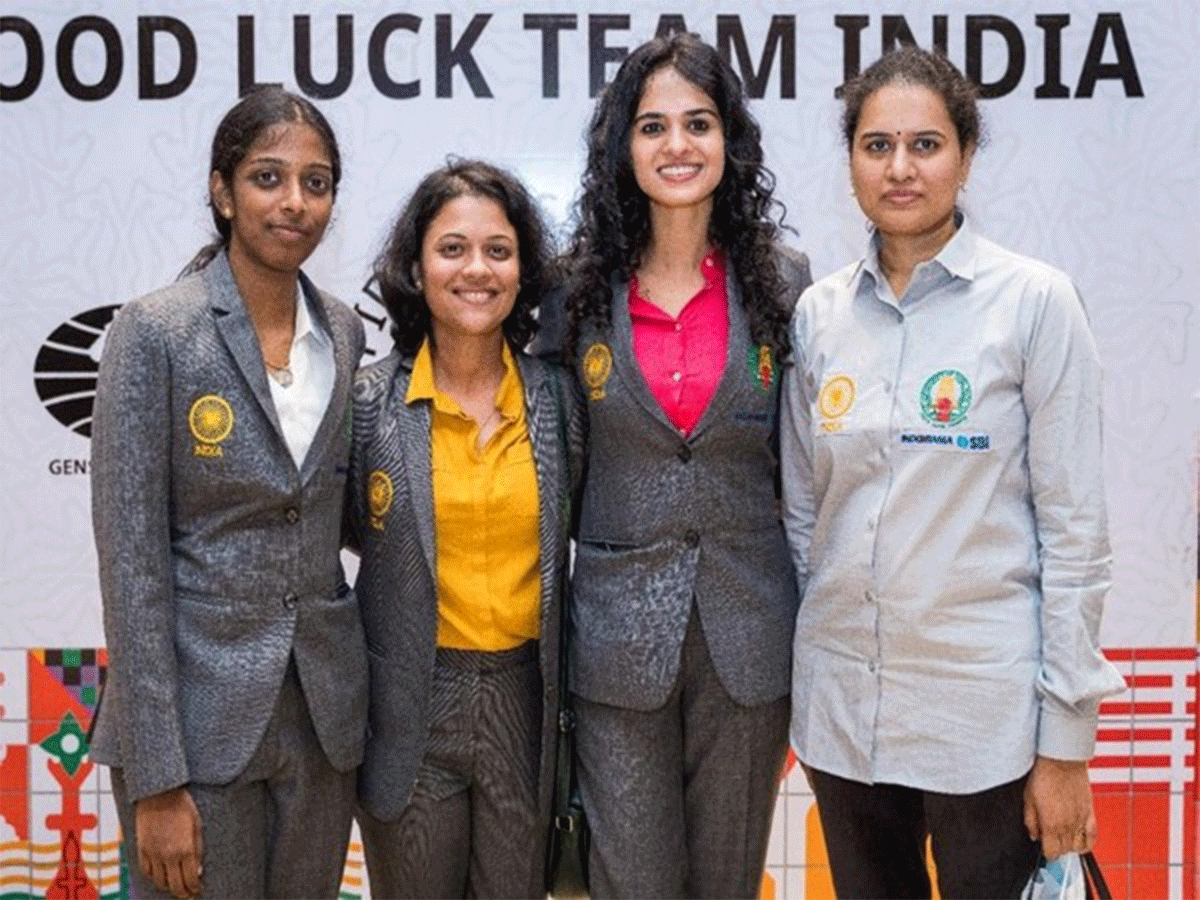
612, 214
394, 268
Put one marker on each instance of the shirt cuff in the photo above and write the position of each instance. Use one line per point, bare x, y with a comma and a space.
1066, 736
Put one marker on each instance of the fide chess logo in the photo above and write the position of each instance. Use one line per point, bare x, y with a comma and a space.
65, 369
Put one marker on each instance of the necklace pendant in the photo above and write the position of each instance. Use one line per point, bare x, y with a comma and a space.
283, 377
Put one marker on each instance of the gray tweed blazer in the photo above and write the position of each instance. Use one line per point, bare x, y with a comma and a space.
667, 518
392, 522
218, 559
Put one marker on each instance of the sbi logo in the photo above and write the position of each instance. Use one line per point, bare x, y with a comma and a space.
64, 372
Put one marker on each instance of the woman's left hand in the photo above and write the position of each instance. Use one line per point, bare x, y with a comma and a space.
1058, 806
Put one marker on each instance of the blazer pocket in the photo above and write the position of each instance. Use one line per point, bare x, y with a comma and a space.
218, 601
207, 619
619, 591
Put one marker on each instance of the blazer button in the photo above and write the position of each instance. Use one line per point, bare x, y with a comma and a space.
290, 601
692, 538
684, 453
292, 515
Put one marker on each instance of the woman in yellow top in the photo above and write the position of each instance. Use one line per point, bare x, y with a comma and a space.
461, 478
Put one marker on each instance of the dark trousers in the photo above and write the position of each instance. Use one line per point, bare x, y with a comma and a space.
875, 836
472, 827
280, 829
680, 798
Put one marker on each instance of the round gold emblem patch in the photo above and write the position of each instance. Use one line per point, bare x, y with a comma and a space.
597, 366
836, 397
379, 493
210, 419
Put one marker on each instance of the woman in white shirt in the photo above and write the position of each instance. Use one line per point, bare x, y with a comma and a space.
944, 503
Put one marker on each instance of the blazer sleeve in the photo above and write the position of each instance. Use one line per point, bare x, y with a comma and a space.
351, 534
796, 274
354, 508
573, 413
131, 490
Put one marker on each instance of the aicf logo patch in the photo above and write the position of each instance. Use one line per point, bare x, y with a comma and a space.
945, 398
597, 366
210, 420
835, 400
379, 497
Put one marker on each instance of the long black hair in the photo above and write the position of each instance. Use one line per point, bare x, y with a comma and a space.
612, 227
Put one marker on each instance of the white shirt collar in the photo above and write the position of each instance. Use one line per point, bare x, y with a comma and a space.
306, 325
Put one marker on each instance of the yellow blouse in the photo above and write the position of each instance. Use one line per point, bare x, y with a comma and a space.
486, 517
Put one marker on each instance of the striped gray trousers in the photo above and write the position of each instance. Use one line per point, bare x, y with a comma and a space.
471, 827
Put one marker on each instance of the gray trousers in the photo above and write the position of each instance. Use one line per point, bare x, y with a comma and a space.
280, 829
680, 799
472, 827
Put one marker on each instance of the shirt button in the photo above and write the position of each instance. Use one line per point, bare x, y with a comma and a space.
290, 601
870, 596
292, 515
873, 666
692, 538
678, 326
675, 376
684, 453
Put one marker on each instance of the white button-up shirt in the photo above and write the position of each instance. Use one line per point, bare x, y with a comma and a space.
301, 405
944, 501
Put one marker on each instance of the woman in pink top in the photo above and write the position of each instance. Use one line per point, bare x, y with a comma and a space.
684, 598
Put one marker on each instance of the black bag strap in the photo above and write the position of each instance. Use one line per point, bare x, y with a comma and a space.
1094, 884
563, 820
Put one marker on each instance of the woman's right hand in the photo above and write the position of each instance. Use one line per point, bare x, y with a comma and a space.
170, 841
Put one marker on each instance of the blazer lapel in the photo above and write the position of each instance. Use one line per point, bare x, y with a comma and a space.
237, 331
737, 355
547, 437
414, 421
344, 364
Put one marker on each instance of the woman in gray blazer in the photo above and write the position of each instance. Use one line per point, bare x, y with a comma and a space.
234, 709
465, 453
683, 594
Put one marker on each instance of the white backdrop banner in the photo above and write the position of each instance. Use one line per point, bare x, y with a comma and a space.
108, 108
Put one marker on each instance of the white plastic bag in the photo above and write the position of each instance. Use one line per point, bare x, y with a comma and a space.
1060, 878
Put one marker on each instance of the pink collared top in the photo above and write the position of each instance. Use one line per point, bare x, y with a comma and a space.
682, 359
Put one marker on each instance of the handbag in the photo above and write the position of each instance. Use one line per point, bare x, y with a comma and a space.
1072, 876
